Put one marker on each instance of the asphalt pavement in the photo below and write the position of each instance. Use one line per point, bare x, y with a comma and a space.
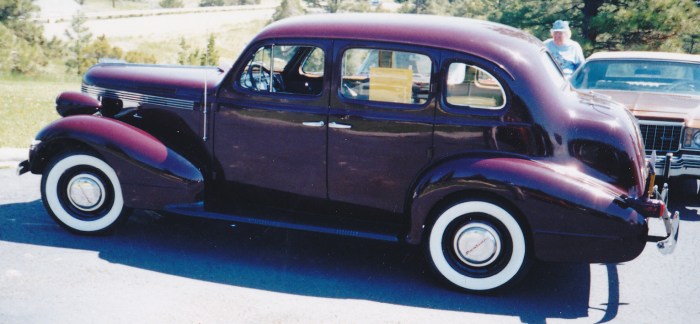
9, 157
168, 269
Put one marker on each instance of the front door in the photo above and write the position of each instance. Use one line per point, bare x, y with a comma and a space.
271, 122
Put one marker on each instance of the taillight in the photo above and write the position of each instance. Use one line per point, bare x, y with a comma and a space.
648, 207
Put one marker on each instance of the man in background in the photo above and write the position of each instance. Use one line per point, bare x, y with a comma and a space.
565, 51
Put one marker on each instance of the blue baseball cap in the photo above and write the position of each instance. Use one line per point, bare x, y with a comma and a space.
560, 25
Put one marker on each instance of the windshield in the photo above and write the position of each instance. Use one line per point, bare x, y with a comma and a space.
639, 75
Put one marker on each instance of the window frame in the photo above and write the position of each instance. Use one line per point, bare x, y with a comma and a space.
449, 57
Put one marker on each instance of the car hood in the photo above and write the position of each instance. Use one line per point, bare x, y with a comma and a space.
168, 81
654, 105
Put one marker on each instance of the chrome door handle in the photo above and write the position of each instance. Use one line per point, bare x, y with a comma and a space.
341, 126
314, 124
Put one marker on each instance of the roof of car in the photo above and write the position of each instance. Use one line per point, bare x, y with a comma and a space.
638, 55
479, 37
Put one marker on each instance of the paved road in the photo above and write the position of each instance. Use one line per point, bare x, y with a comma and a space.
153, 25
159, 269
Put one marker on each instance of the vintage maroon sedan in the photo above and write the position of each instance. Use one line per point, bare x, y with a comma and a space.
457, 134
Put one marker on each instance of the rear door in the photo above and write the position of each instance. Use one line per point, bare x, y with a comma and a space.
380, 122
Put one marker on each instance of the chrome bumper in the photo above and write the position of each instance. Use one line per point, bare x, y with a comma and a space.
670, 165
23, 167
672, 222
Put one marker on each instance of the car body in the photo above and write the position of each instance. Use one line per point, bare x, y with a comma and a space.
459, 135
663, 91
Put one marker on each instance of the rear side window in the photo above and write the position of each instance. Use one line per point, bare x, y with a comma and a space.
473, 87
386, 76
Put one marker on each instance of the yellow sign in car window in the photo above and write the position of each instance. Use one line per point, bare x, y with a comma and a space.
390, 84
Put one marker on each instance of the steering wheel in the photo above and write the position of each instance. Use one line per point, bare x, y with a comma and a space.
683, 83
261, 82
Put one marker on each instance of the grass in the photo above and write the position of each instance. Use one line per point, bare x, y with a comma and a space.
27, 105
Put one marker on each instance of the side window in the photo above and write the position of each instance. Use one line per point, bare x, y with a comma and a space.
313, 65
386, 76
473, 87
284, 69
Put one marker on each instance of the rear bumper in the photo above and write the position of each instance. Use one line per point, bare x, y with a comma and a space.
667, 244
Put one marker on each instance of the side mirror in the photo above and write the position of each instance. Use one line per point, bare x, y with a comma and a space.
76, 103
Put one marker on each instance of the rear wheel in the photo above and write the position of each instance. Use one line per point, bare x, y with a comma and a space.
83, 194
478, 246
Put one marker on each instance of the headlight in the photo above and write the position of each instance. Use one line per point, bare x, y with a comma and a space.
696, 139
692, 138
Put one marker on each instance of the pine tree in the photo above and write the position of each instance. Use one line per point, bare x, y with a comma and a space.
183, 56
210, 56
79, 38
653, 25
21, 39
287, 8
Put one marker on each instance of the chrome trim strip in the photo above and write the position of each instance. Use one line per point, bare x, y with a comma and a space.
658, 122
138, 97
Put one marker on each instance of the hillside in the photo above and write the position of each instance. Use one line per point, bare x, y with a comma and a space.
159, 31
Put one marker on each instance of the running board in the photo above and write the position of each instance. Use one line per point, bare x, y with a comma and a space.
197, 210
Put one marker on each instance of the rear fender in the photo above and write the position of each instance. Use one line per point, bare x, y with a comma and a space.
558, 205
152, 175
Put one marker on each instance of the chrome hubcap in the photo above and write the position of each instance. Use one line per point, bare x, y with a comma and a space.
477, 244
86, 192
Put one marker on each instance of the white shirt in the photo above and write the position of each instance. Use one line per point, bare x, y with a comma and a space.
569, 56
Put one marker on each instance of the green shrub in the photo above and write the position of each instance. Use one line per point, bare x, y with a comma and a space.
211, 3
139, 57
171, 4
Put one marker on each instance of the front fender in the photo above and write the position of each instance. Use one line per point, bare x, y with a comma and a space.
570, 215
152, 175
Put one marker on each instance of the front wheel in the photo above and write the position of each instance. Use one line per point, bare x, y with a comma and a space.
83, 194
478, 246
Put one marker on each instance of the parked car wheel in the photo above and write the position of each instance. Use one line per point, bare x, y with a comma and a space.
478, 246
82, 193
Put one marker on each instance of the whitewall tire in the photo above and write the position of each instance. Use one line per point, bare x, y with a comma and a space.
477, 246
83, 193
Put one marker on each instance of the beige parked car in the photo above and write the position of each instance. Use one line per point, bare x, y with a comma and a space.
663, 91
